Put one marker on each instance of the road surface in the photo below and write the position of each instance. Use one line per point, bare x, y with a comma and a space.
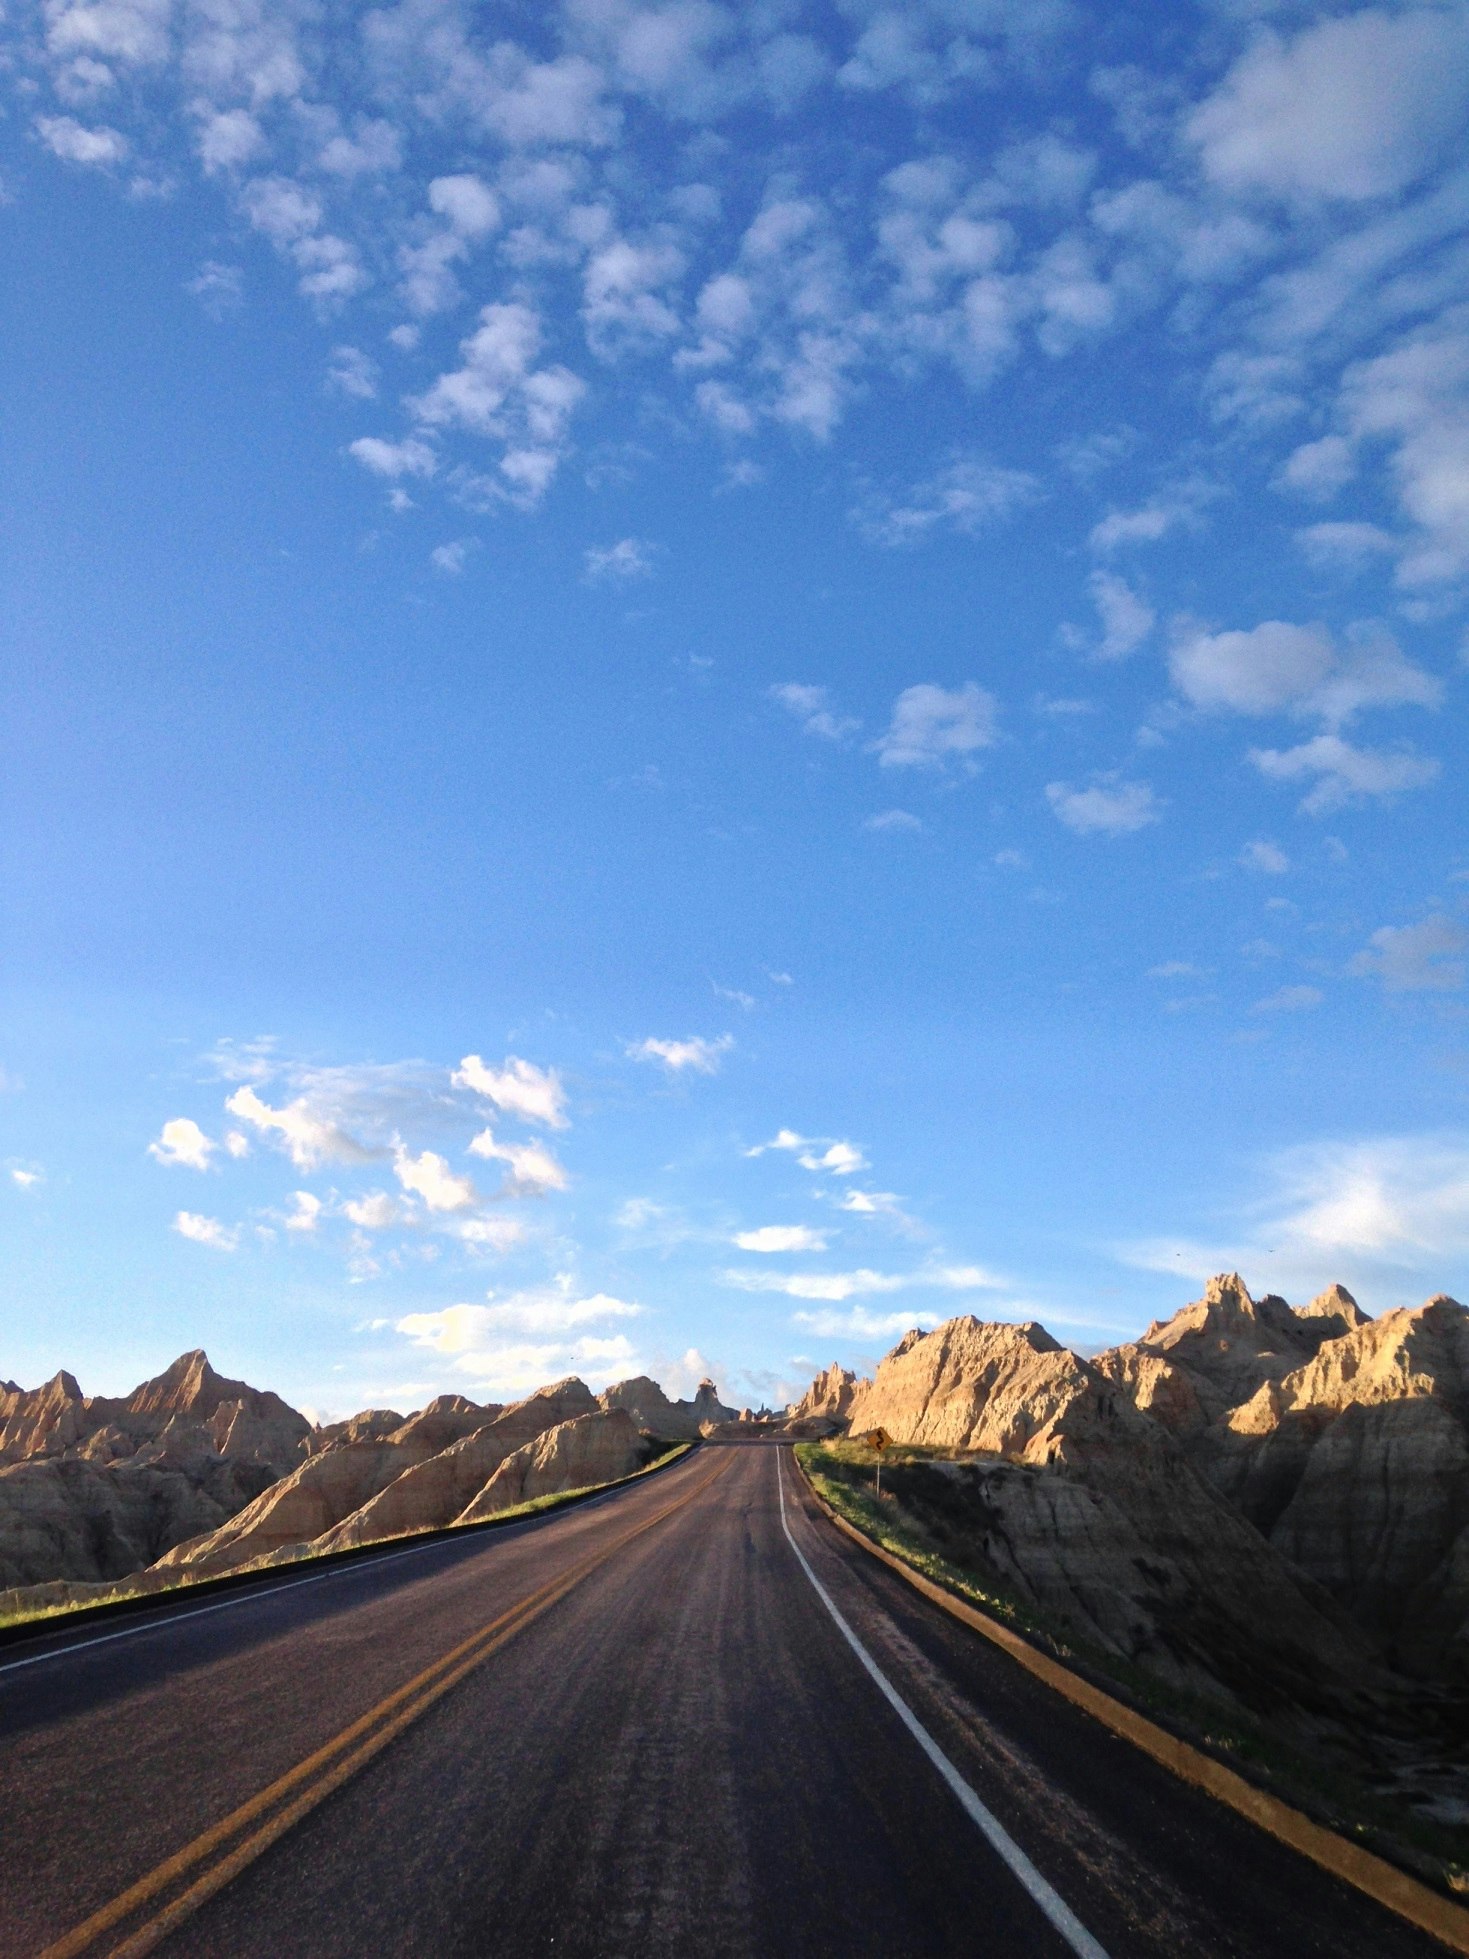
639, 1727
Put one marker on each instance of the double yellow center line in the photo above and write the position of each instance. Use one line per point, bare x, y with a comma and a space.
176, 1888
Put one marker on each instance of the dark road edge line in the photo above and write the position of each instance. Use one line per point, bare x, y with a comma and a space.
1041, 1892
293, 1796
1384, 1883
176, 1601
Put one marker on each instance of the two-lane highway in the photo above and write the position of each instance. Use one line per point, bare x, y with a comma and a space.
688, 1717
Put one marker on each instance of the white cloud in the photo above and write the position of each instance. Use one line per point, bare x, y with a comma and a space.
539, 1309
819, 1285
306, 1213
863, 1282
1422, 958
967, 497
1346, 545
498, 392
1289, 1000
519, 1088
450, 558
1262, 855
1345, 774
236, 1144
468, 203
218, 288
783, 1139
628, 558
893, 819
1126, 618
521, 1340
98, 148
351, 373
840, 1160
375, 148
696, 1053
128, 32
374, 1212
497, 1232
781, 1238
812, 708
933, 725
873, 1203
183, 1142
1150, 522
1258, 672
228, 139
307, 1136
1107, 808
625, 294
1277, 668
1373, 1212
1416, 397
533, 1169
1355, 107
25, 1177
410, 457
206, 1231
858, 1323
428, 1176
1318, 469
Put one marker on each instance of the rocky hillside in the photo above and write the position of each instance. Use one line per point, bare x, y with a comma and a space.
1343, 1440
1264, 1503
92, 1488
192, 1474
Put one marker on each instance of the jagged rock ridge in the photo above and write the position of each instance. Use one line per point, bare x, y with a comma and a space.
194, 1474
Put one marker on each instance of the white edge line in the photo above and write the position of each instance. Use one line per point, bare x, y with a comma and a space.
247, 1595
1062, 1917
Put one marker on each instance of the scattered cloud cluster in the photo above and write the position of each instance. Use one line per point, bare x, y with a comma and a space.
517, 1341
364, 1129
1296, 166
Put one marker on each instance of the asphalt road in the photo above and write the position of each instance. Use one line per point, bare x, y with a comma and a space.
651, 1736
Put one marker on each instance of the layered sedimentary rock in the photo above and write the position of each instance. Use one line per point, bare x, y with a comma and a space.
432, 1493
93, 1487
1089, 1510
188, 1406
670, 1421
416, 1478
193, 1474
575, 1455
1344, 1440
829, 1397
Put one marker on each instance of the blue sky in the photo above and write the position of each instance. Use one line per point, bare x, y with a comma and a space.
686, 684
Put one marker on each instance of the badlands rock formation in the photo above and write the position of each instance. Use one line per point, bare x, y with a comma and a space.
1265, 1499
349, 1493
829, 1397
670, 1421
192, 1474
93, 1487
572, 1456
1343, 1440
1089, 1510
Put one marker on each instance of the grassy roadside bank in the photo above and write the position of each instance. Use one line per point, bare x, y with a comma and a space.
843, 1474
22, 1608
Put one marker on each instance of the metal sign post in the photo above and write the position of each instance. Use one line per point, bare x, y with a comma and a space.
878, 1439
